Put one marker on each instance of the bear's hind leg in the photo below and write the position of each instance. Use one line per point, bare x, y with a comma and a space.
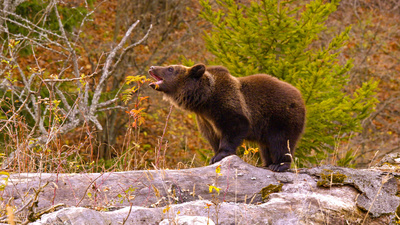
280, 155
265, 155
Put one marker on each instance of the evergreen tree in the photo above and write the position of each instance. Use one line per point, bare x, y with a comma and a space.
282, 39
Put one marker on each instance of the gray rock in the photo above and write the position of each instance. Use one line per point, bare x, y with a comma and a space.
377, 189
188, 220
392, 158
156, 195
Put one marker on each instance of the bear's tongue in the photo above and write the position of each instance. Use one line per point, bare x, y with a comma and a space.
158, 82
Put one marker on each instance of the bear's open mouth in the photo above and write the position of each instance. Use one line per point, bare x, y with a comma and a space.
159, 80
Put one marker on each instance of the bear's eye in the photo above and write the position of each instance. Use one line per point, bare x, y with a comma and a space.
170, 69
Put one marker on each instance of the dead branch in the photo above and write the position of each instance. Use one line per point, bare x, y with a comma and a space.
83, 109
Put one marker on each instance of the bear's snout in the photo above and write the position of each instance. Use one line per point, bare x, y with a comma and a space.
159, 80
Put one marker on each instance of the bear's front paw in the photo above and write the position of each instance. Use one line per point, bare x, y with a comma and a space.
281, 167
219, 156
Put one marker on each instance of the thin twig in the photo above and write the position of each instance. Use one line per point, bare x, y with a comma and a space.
89, 186
19, 210
127, 216
68, 79
16, 112
162, 137
106, 73
48, 210
130, 47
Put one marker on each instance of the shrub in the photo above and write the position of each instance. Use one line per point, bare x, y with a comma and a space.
283, 39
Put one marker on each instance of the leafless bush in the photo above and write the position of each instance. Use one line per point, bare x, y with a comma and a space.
176, 34
49, 99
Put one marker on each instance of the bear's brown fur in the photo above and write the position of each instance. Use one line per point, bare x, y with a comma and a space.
258, 108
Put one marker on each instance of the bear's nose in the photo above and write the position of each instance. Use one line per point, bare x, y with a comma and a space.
152, 67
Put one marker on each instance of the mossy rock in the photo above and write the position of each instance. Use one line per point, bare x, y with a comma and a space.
266, 191
329, 178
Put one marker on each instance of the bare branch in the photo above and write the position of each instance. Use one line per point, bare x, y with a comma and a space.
40, 95
130, 47
71, 49
67, 79
34, 28
107, 103
111, 108
16, 112
106, 70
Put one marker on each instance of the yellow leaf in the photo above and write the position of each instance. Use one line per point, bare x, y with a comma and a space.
218, 170
166, 209
213, 187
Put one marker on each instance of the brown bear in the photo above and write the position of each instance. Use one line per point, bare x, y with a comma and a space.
258, 108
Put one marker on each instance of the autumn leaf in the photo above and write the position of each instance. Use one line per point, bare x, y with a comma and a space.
218, 170
213, 187
166, 209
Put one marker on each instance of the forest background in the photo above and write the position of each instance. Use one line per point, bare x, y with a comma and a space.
75, 98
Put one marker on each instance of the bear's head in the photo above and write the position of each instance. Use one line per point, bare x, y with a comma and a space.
170, 78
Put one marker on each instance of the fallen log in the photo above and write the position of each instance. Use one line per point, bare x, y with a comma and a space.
225, 192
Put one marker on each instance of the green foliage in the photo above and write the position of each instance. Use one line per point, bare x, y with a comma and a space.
282, 38
35, 11
187, 62
128, 195
31, 10
128, 93
347, 160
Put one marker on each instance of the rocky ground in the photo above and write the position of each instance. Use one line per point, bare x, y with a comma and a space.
229, 192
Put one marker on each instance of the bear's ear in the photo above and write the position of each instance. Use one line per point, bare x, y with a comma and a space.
197, 71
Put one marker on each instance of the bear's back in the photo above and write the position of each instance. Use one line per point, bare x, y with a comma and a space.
262, 88
271, 100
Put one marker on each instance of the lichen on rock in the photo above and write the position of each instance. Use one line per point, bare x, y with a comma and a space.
328, 178
266, 191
